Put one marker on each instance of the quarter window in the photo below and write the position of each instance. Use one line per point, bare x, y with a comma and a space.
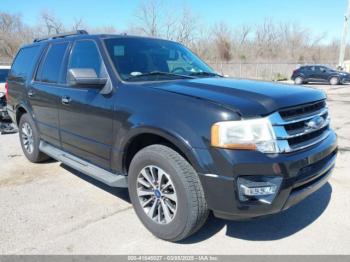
49, 69
24, 61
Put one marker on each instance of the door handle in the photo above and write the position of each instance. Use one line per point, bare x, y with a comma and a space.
31, 93
66, 100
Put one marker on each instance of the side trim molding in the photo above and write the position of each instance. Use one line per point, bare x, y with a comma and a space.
108, 178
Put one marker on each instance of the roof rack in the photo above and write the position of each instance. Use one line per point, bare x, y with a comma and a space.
77, 32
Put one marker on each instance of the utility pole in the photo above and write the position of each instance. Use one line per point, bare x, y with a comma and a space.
345, 34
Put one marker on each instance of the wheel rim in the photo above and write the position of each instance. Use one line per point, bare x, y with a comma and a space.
27, 138
334, 81
157, 195
298, 80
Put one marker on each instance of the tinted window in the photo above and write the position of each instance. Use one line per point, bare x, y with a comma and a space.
85, 55
50, 68
25, 61
3, 75
136, 56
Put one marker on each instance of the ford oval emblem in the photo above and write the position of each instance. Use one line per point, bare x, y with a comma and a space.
315, 123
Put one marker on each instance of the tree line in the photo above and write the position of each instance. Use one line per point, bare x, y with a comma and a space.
268, 41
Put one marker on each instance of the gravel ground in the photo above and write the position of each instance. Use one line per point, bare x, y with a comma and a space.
50, 209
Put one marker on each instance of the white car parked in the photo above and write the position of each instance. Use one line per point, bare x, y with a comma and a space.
4, 70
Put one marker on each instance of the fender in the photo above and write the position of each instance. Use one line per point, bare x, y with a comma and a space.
182, 144
27, 108
337, 76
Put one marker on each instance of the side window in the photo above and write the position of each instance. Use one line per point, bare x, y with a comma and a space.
24, 61
86, 55
50, 68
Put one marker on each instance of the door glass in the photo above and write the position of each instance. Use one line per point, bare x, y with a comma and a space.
86, 55
49, 69
24, 61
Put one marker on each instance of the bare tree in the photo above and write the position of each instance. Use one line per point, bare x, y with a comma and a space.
51, 24
186, 28
13, 33
148, 17
154, 18
78, 24
223, 41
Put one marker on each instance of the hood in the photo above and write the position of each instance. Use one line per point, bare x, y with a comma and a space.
340, 72
248, 98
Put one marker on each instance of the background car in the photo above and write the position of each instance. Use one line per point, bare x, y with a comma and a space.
319, 74
4, 70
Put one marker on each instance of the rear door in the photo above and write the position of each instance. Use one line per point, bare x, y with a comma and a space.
85, 114
44, 91
312, 74
321, 73
20, 76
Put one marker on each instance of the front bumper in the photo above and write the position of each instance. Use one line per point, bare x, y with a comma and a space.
303, 173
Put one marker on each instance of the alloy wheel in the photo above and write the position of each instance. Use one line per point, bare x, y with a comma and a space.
27, 137
157, 195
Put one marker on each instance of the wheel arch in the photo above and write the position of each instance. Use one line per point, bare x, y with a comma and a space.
21, 109
146, 136
337, 76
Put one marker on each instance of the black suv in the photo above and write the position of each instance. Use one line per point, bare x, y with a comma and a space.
319, 74
149, 115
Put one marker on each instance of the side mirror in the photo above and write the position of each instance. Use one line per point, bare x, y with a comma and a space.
85, 77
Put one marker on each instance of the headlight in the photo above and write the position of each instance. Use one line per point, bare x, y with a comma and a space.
252, 134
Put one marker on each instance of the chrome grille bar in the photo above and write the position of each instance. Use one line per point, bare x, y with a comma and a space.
277, 120
294, 133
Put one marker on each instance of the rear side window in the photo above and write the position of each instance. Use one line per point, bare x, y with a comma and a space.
25, 61
3, 75
50, 67
86, 55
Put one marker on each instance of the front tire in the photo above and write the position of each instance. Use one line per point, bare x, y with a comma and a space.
166, 193
30, 139
334, 81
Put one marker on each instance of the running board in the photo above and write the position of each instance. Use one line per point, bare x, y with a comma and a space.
83, 166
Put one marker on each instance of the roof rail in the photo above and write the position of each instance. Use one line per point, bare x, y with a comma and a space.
77, 32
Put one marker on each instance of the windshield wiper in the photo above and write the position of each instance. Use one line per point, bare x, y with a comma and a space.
159, 73
205, 74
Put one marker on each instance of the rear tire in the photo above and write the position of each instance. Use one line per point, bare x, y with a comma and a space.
188, 208
299, 80
334, 81
30, 139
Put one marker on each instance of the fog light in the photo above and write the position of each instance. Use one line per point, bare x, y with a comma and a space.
258, 188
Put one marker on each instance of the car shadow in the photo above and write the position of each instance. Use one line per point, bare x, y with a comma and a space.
268, 228
116, 191
272, 227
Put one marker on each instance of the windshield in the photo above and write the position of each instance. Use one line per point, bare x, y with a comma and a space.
3, 75
146, 59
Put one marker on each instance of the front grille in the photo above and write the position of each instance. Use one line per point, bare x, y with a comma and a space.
302, 110
301, 126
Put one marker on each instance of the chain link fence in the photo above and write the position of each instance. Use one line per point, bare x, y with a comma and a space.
260, 71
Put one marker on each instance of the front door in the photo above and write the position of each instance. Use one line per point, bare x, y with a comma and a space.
85, 114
